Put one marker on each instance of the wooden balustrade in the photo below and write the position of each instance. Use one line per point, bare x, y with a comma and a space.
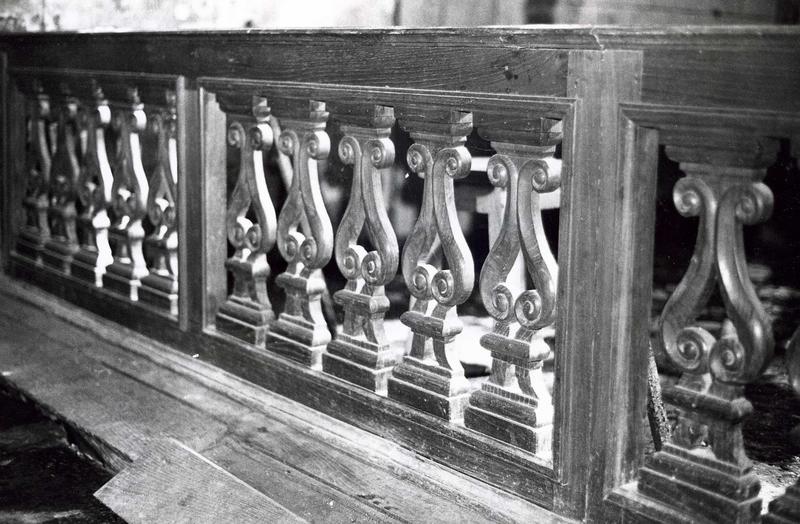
117, 172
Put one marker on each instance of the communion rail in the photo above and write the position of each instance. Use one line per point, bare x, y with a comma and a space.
176, 183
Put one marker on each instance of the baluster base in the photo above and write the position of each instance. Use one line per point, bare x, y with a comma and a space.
510, 417
245, 320
299, 340
120, 278
58, 255
30, 245
701, 486
430, 388
786, 508
160, 291
85, 267
360, 362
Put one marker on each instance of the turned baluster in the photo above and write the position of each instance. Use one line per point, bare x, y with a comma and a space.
94, 190
431, 377
247, 312
704, 471
60, 248
361, 353
160, 286
514, 405
36, 231
129, 202
305, 238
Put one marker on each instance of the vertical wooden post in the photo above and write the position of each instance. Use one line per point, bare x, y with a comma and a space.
204, 187
5, 183
605, 259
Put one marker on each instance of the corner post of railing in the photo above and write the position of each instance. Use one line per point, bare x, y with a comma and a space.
605, 259
191, 204
206, 206
5, 183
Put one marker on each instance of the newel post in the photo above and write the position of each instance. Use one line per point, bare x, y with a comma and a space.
604, 285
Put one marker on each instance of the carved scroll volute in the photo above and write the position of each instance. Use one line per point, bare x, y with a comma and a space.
251, 240
64, 174
161, 208
305, 233
361, 352
305, 239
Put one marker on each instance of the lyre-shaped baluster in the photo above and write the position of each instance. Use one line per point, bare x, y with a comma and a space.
305, 240
63, 242
36, 231
514, 405
129, 201
361, 353
94, 191
431, 377
160, 285
727, 195
247, 313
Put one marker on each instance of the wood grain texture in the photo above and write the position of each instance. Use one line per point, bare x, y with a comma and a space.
172, 483
600, 206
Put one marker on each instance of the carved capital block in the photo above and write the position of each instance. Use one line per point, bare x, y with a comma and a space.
514, 405
129, 202
248, 311
305, 239
431, 378
361, 353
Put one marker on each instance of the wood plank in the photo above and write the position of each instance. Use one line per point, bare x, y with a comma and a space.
172, 483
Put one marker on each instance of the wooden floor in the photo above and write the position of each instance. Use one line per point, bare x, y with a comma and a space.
192, 443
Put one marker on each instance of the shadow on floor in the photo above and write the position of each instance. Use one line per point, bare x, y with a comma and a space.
42, 478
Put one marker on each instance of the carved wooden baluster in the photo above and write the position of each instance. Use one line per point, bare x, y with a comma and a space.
129, 202
431, 378
36, 231
515, 405
160, 285
361, 353
94, 190
63, 242
305, 240
704, 469
247, 313
786, 508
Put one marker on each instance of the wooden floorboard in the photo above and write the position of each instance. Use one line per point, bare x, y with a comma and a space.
128, 395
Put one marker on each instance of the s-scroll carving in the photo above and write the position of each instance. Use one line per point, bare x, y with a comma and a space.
361, 352
248, 312
305, 240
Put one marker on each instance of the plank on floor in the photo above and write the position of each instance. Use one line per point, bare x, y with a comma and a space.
172, 483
